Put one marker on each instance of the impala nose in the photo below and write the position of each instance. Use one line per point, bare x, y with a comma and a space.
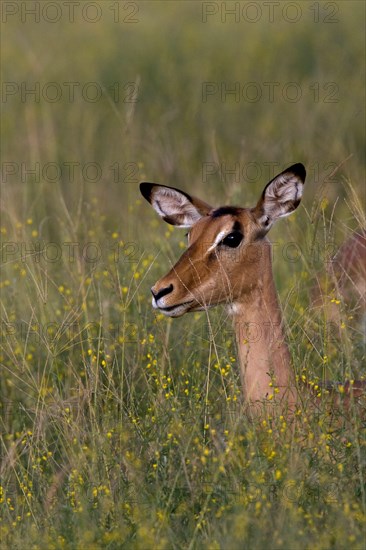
162, 292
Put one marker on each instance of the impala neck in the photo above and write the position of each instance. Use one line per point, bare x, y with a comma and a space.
263, 353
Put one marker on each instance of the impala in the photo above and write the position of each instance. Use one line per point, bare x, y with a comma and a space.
346, 275
228, 261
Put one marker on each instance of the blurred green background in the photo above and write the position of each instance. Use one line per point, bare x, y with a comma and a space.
105, 421
161, 54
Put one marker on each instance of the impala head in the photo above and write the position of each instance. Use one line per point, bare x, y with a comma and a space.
227, 246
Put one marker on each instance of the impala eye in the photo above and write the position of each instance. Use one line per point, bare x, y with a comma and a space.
233, 239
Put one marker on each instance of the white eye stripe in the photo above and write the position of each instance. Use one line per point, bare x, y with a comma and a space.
218, 240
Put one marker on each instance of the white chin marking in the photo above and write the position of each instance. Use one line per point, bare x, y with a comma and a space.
181, 310
176, 312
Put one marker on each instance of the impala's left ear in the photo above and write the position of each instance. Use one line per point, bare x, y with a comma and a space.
281, 196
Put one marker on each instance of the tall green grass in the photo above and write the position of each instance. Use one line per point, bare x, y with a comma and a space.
121, 428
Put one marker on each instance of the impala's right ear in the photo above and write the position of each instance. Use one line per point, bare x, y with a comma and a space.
174, 206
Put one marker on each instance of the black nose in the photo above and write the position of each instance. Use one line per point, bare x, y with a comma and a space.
162, 292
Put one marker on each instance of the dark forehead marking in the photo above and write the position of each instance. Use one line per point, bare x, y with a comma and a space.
237, 226
224, 210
